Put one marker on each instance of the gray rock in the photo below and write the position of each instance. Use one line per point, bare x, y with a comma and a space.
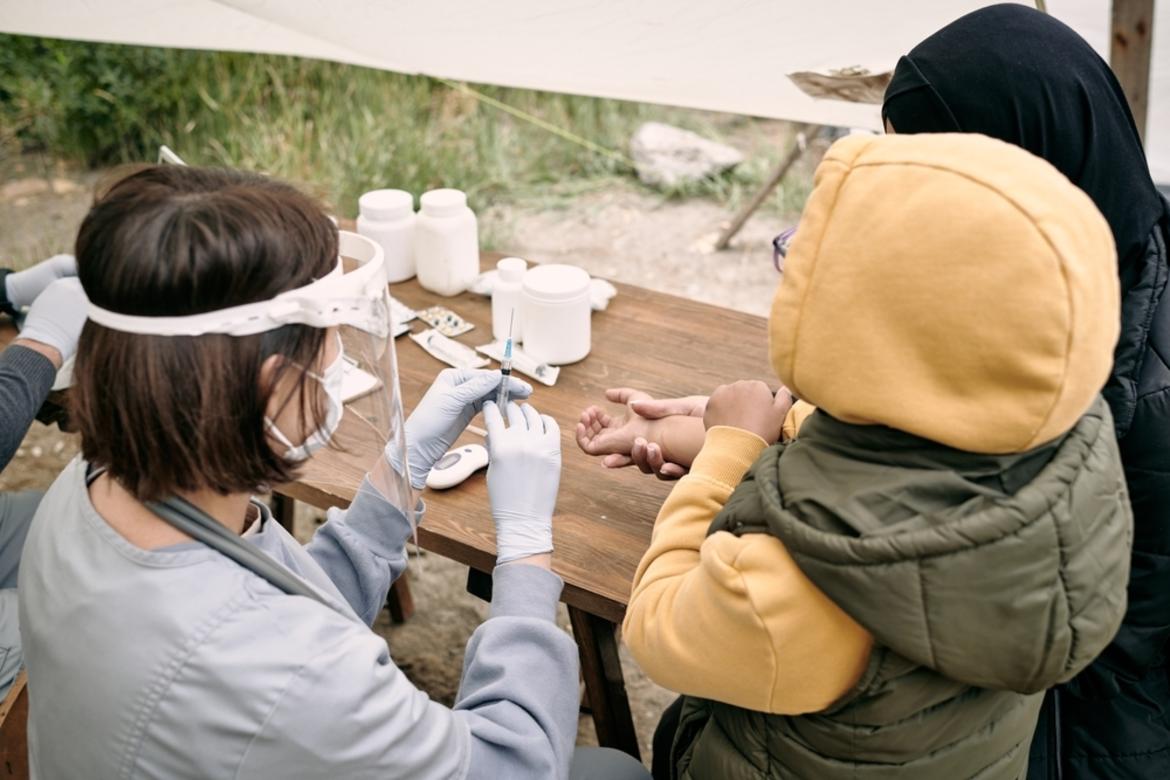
667, 156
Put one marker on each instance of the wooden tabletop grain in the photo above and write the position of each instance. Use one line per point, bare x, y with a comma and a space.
660, 343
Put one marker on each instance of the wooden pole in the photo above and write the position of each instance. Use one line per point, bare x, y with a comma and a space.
1129, 54
799, 144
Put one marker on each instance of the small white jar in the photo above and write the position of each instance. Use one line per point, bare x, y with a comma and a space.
506, 299
446, 243
387, 217
556, 314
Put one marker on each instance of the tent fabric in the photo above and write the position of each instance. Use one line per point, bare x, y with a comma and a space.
708, 54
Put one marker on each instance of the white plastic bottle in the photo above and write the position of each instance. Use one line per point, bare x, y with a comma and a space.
557, 327
387, 217
446, 242
506, 296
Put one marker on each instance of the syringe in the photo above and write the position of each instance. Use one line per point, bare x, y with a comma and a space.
505, 368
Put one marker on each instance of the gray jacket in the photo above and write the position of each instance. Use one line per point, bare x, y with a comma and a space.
178, 663
26, 377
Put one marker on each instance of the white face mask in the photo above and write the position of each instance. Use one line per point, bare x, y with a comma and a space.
331, 380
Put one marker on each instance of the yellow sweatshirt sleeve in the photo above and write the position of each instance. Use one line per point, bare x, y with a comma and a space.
733, 618
800, 411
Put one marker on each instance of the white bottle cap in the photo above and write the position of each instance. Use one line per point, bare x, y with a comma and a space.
443, 203
556, 282
385, 205
511, 269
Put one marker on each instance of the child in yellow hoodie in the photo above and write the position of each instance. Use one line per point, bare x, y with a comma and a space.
889, 594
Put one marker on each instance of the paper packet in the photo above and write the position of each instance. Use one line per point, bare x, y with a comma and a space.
448, 350
541, 372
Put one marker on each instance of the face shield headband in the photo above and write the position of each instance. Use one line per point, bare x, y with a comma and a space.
357, 302
357, 298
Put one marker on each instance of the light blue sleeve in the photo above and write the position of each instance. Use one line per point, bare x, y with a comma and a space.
363, 549
350, 712
519, 688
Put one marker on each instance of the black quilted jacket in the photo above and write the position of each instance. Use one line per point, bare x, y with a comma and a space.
1113, 720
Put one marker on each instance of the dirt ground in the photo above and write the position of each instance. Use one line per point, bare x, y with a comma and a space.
623, 233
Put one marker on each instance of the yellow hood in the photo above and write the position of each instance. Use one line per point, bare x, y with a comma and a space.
951, 286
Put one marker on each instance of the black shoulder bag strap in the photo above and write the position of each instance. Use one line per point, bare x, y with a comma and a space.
202, 527
193, 521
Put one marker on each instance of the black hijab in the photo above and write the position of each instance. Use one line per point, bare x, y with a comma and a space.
1014, 73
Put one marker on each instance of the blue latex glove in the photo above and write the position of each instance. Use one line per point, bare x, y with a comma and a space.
56, 317
23, 287
455, 397
523, 479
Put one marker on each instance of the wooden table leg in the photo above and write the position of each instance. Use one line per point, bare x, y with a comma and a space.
284, 509
602, 669
479, 584
400, 602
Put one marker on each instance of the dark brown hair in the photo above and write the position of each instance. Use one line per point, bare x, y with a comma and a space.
168, 413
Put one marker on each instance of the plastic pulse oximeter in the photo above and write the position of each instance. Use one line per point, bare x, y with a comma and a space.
456, 466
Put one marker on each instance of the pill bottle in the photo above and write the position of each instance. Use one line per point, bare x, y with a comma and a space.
506, 299
446, 243
556, 312
387, 218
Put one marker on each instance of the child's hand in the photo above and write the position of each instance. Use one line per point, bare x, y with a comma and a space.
750, 406
663, 447
599, 433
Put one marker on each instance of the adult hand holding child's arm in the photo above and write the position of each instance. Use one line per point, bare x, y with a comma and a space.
750, 406
662, 436
659, 436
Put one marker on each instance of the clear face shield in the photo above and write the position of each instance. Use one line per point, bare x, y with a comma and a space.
374, 418
353, 301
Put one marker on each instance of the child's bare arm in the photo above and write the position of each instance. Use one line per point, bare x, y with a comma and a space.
680, 438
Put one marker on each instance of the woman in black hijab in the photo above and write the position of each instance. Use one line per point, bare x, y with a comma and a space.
1016, 74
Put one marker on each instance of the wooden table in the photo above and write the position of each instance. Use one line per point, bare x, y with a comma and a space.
660, 343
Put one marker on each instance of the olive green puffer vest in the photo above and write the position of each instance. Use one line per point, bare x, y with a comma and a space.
984, 580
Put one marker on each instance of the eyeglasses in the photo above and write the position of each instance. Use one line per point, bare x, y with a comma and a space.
780, 248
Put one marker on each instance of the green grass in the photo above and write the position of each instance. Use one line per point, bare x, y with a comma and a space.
337, 130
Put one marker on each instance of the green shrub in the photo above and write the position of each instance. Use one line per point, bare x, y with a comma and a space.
337, 129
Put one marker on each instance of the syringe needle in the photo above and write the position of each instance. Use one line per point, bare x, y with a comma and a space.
506, 367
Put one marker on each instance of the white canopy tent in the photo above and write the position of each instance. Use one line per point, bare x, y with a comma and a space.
722, 55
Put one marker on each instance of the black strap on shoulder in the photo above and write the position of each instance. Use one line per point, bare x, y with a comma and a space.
193, 521
184, 516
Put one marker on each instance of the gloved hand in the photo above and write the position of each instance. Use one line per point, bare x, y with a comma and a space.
23, 287
56, 316
523, 479
454, 398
